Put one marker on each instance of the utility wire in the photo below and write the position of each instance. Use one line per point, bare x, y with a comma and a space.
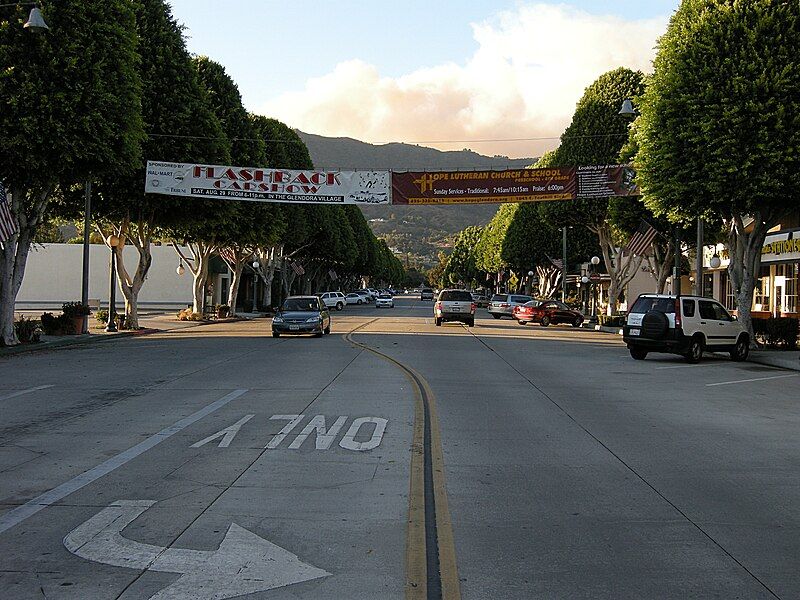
478, 141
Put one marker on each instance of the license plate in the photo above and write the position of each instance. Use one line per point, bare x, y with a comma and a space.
635, 331
294, 327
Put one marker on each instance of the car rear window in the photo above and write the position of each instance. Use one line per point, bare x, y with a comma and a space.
500, 298
647, 303
533, 303
427, 290
520, 299
455, 296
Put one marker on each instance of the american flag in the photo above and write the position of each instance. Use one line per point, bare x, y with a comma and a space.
332, 274
642, 239
8, 224
557, 263
297, 268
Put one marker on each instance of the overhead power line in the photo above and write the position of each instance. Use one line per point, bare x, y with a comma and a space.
474, 141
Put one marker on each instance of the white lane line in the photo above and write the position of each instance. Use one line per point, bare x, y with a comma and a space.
28, 391
749, 380
692, 366
30, 508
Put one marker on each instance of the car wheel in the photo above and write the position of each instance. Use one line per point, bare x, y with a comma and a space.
339, 306
496, 316
471, 323
360, 302
742, 349
578, 322
545, 321
318, 334
275, 334
695, 351
438, 322
522, 322
327, 330
638, 353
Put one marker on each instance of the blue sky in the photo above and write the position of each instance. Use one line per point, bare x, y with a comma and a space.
275, 49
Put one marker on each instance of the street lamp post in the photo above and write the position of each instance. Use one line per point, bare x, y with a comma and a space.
595, 261
111, 326
256, 264
564, 264
530, 282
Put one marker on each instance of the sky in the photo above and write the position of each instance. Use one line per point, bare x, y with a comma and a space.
489, 75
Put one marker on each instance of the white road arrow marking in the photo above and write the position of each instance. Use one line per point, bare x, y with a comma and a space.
226, 434
244, 563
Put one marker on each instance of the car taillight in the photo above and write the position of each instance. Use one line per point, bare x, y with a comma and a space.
473, 307
677, 312
438, 306
504, 305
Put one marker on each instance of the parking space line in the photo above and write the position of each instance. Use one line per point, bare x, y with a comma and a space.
692, 366
30, 508
28, 391
755, 379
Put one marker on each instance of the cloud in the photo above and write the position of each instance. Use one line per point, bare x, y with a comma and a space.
530, 69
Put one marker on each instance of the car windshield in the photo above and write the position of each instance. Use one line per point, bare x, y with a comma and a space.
455, 296
647, 303
301, 304
499, 297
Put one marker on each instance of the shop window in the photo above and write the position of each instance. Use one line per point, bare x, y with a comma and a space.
728, 299
708, 285
762, 291
786, 282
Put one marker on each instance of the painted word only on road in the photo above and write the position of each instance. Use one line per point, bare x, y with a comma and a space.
364, 433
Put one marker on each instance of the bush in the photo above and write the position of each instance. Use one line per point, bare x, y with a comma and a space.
187, 315
611, 321
27, 330
76, 309
777, 332
50, 324
101, 316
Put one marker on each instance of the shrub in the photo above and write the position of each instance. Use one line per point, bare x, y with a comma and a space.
50, 324
777, 332
76, 309
27, 330
611, 321
101, 316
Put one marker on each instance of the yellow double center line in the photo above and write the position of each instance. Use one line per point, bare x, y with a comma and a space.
431, 570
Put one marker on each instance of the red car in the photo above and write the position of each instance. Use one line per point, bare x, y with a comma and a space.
549, 311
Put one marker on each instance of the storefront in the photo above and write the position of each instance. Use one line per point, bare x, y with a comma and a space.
776, 292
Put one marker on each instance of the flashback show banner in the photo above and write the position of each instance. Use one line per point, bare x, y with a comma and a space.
268, 185
521, 185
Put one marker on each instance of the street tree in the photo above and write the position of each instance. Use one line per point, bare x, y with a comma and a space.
719, 129
461, 267
71, 112
488, 251
596, 136
181, 127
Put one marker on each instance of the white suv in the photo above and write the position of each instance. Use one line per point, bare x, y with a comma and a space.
685, 325
335, 300
454, 305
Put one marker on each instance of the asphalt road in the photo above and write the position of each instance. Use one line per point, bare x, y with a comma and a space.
219, 462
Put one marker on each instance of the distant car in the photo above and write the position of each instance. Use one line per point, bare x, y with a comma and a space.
384, 301
502, 305
302, 314
547, 312
480, 300
368, 294
454, 305
356, 298
426, 294
335, 300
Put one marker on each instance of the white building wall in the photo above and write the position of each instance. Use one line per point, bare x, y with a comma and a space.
53, 276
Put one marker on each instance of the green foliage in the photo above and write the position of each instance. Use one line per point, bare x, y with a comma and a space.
60, 325
27, 330
719, 130
488, 253
778, 332
71, 97
101, 316
76, 309
461, 266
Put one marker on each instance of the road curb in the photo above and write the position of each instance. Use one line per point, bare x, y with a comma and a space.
87, 338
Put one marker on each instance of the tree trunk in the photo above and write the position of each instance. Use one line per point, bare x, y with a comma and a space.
621, 268
139, 236
660, 264
14, 256
233, 291
745, 254
198, 265
549, 279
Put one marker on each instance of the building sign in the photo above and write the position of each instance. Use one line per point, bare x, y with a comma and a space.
373, 187
520, 185
268, 185
783, 246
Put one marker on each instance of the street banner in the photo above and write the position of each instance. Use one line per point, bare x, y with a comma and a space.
519, 185
268, 185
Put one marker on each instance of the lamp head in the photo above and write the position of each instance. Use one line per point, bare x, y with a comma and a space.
715, 262
595, 260
627, 109
35, 21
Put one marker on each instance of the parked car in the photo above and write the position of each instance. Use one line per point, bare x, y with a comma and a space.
502, 305
302, 314
426, 294
480, 300
685, 325
356, 298
454, 305
547, 312
384, 301
367, 294
335, 300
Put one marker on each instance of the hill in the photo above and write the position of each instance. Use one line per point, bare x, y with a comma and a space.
419, 231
